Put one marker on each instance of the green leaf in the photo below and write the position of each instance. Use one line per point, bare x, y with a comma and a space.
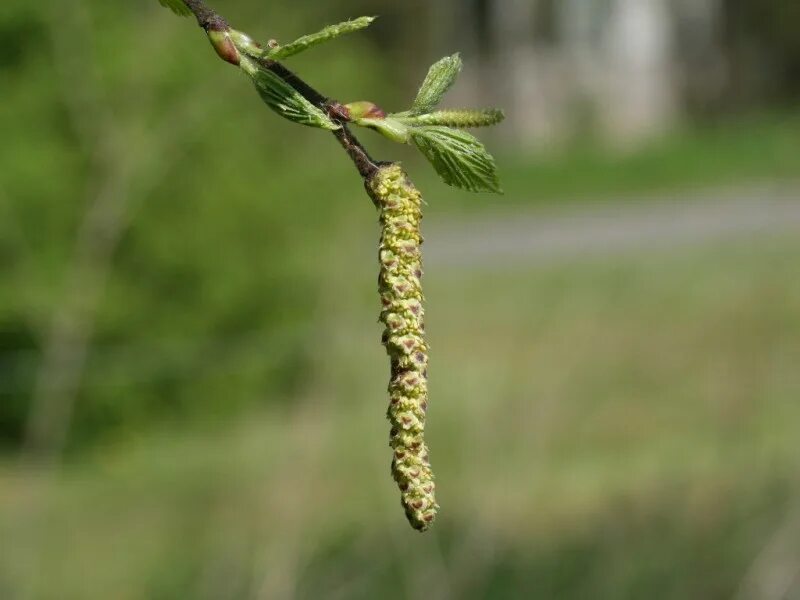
176, 6
441, 77
456, 118
460, 159
288, 102
309, 41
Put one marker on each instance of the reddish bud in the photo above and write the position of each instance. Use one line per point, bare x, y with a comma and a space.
224, 46
365, 110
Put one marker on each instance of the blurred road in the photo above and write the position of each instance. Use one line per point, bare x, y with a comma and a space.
542, 236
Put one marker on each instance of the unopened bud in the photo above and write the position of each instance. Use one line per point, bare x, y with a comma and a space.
365, 110
224, 46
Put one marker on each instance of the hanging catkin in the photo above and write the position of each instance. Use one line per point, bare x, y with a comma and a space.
400, 206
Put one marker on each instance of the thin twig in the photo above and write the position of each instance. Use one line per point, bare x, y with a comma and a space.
209, 20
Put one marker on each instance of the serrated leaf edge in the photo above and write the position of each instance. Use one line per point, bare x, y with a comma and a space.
468, 166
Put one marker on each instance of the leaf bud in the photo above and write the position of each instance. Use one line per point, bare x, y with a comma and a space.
224, 46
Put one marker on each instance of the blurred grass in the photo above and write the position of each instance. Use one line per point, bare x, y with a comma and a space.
606, 429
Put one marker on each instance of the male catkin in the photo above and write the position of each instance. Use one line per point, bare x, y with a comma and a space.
400, 254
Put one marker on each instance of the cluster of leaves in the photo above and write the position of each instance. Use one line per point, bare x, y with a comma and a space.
458, 157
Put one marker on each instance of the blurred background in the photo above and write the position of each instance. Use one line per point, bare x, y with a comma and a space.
192, 388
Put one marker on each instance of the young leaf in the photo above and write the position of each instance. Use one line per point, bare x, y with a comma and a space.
456, 118
459, 158
287, 102
440, 78
176, 6
309, 41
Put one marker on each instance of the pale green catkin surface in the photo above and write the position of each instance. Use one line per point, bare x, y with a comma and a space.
400, 205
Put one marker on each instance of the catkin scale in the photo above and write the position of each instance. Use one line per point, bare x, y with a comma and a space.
402, 314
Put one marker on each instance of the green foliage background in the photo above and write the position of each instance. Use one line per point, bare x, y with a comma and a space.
211, 299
